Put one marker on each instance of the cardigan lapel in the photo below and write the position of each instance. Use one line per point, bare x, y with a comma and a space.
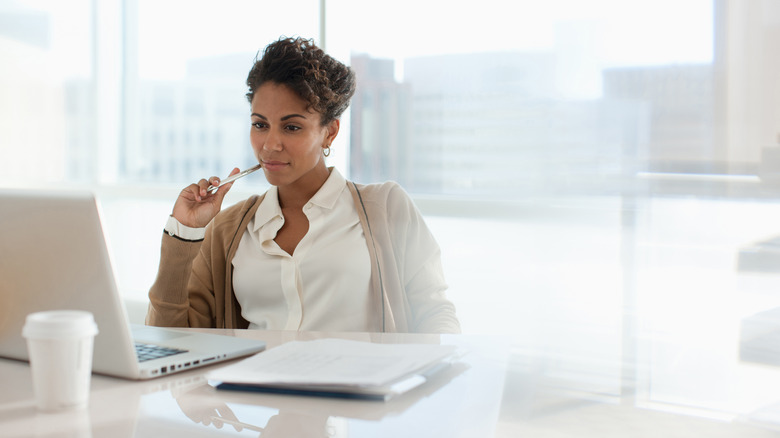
386, 321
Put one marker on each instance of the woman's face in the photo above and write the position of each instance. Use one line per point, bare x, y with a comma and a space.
287, 138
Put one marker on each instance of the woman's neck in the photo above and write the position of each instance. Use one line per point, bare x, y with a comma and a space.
297, 194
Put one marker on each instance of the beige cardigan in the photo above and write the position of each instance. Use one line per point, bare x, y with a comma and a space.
194, 285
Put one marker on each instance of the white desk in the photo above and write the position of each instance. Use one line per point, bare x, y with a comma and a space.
498, 391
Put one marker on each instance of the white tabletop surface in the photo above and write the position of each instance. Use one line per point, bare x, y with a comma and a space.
503, 387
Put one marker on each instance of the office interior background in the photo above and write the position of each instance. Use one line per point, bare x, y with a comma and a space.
594, 171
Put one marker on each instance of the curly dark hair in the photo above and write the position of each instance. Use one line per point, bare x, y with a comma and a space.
325, 83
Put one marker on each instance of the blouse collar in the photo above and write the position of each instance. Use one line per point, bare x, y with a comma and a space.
326, 197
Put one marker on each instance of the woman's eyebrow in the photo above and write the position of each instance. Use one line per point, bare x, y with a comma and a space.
287, 117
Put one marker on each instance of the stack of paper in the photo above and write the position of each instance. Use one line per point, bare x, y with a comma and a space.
337, 368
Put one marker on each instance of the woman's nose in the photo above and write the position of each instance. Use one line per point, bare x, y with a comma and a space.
272, 142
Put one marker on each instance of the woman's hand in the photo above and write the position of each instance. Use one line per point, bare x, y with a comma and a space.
195, 207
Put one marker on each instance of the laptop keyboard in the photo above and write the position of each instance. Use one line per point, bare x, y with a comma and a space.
148, 352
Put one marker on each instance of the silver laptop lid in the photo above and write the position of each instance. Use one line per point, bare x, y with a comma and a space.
53, 255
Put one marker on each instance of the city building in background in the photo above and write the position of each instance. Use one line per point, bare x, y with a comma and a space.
190, 128
494, 125
380, 124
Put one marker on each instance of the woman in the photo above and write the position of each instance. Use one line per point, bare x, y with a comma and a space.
315, 252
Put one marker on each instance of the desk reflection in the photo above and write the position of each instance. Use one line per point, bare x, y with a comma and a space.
200, 405
296, 415
455, 403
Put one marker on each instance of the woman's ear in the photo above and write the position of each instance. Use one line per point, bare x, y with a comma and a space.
333, 130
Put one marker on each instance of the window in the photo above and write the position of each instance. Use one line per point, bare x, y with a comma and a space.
560, 98
48, 83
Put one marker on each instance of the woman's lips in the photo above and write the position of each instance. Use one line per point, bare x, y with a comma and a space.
274, 165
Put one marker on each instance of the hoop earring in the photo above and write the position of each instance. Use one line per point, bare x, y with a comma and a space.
326, 151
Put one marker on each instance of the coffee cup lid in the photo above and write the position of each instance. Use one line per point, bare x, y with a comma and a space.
59, 324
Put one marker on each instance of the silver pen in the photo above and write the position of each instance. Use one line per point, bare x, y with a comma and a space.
230, 179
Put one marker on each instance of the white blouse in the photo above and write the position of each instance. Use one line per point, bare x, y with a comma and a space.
324, 285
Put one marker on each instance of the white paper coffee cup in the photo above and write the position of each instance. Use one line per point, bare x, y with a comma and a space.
60, 344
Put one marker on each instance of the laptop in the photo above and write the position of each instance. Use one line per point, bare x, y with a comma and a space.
54, 256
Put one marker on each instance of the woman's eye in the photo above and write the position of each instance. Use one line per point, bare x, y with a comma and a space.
292, 128
258, 125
